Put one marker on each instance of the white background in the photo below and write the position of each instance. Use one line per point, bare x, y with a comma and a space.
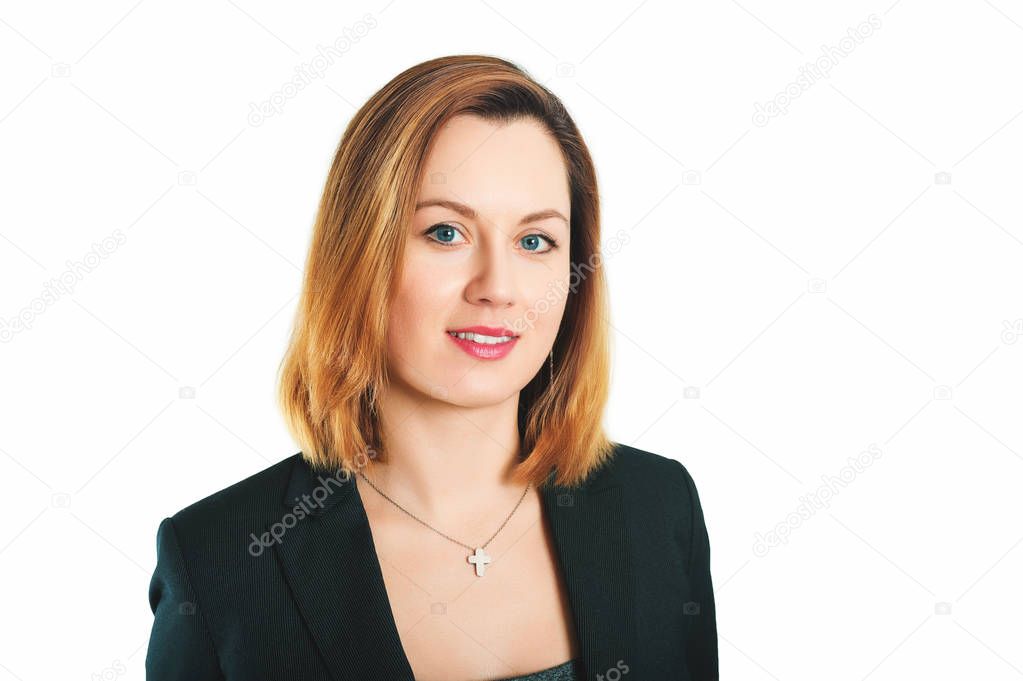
818, 284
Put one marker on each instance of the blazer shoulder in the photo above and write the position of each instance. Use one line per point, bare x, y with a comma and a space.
655, 479
664, 485
248, 502
633, 466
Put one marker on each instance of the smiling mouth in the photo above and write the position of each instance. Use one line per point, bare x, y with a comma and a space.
481, 338
483, 346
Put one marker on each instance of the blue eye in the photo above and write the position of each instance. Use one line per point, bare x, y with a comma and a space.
444, 234
445, 231
532, 239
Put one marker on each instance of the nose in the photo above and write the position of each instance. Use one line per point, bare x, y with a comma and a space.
493, 280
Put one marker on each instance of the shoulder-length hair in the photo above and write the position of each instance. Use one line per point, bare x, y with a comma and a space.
335, 359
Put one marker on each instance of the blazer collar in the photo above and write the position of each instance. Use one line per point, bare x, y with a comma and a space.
330, 562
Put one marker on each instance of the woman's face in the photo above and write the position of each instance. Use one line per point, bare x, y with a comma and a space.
488, 246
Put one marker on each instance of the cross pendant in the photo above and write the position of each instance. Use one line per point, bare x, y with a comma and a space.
480, 560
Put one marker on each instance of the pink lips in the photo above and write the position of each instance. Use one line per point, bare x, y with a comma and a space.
484, 350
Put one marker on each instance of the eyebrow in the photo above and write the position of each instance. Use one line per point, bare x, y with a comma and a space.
471, 214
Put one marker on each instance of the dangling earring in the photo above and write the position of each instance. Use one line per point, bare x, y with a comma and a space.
551, 365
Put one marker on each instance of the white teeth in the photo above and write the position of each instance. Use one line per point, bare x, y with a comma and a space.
480, 338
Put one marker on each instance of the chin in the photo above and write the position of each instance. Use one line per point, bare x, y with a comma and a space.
478, 395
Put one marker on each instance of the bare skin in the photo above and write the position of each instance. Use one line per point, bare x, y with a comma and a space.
450, 419
454, 625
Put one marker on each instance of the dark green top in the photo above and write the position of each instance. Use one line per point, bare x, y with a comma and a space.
566, 671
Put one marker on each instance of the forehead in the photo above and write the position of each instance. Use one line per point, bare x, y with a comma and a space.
496, 168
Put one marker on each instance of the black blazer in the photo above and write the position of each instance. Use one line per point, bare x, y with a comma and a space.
277, 577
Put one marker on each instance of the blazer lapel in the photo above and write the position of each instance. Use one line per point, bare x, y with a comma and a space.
588, 525
330, 563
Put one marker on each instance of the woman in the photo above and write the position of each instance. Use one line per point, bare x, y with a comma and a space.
456, 511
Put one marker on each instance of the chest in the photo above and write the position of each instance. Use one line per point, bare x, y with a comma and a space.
453, 624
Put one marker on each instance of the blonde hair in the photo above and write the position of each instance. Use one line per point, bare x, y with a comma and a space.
335, 359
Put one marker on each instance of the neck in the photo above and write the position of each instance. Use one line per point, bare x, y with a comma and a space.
445, 460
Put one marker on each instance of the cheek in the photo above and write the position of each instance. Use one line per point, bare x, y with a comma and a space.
409, 311
420, 302
547, 297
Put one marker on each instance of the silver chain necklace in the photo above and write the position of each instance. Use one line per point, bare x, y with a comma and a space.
479, 557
